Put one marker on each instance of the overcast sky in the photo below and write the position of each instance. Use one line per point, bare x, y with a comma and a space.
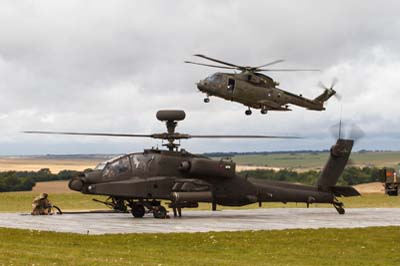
108, 66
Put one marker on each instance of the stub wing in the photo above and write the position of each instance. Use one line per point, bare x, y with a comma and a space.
345, 191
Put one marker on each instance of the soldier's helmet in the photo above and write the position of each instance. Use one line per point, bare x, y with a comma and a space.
43, 196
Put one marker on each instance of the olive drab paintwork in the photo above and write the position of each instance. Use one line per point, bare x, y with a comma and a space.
139, 181
256, 90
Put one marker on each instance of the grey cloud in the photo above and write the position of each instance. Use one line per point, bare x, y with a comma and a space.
108, 66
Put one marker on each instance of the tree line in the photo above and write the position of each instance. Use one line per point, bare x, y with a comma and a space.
350, 176
26, 180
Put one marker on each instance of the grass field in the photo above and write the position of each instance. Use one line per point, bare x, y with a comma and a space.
317, 160
21, 202
366, 246
283, 160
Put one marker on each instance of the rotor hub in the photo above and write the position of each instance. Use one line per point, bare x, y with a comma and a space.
171, 117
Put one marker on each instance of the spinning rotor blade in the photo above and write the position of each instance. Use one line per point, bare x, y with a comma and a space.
217, 61
89, 134
333, 84
159, 135
246, 68
195, 63
356, 132
338, 96
271, 63
242, 137
286, 70
342, 130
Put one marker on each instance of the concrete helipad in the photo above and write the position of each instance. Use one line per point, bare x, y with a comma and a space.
205, 221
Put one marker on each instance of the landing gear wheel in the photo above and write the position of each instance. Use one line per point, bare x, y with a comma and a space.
340, 210
138, 210
207, 100
264, 111
339, 207
160, 212
248, 112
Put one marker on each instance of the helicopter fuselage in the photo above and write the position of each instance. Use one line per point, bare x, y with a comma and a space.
257, 91
186, 179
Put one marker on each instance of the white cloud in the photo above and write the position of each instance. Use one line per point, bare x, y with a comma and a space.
109, 66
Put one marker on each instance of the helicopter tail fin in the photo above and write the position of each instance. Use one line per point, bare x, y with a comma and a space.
323, 97
339, 155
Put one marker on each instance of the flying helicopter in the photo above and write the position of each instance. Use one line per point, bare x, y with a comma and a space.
255, 90
138, 182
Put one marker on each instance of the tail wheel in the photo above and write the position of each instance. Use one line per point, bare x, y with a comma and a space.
138, 210
340, 211
160, 212
339, 207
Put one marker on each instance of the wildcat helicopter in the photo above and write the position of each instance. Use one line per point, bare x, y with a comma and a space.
255, 90
138, 182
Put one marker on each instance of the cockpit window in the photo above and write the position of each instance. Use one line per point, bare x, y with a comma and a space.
100, 166
118, 167
215, 78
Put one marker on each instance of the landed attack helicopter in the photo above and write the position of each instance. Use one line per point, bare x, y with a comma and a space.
255, 90
137, 182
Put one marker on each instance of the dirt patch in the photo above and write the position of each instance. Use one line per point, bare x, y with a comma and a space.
52, 187
370, 188
55, 165
241, 168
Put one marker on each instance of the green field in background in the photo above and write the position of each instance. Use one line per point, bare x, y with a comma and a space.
317, 160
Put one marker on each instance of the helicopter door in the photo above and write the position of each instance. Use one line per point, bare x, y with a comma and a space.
231, 85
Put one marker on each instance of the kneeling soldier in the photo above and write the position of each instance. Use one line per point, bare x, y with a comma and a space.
41, 205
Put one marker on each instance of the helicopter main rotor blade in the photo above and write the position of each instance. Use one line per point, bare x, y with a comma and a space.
195, 63
285, 70
89, 134
218, 61
158, 135
243, 137
271, 63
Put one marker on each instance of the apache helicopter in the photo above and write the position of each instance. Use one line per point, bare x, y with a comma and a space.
255, 90
137, 182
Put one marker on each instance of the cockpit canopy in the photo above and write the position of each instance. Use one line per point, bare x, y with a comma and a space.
116, 166
126, 165
217, 77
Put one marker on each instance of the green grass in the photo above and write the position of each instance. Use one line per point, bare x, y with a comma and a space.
317, 160
365, 246
21, 202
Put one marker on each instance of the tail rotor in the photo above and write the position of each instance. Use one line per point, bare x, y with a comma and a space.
330, 88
